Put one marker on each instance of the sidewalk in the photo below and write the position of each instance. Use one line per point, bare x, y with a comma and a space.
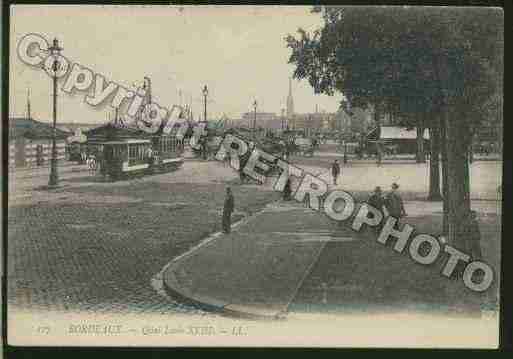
258, 268
280, 253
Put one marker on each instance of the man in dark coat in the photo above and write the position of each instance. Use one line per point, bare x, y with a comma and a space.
335, 171
377, 201
394, 203
287, 191
228, 208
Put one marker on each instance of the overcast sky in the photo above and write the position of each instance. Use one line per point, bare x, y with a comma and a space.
238, 51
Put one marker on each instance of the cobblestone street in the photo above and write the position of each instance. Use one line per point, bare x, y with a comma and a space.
95, 246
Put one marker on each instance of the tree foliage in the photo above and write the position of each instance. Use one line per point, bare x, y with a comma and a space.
390, 56
435, 66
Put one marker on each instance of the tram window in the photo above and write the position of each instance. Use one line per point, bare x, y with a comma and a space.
168, 144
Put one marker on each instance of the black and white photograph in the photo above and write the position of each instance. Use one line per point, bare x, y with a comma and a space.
254, 176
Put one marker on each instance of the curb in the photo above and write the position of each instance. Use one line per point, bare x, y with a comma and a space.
173, 291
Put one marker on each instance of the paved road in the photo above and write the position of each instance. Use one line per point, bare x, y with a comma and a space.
95, 246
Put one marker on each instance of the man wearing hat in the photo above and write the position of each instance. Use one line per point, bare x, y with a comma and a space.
394, 203
335, 171
377, 201
228, 208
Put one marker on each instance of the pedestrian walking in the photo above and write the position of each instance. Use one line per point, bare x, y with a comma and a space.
394, 203
228, 208
377, 201
287, 191
335, 171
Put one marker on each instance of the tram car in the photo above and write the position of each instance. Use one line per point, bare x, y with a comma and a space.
125, 153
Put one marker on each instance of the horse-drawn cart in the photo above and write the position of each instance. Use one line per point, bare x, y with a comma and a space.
304, 146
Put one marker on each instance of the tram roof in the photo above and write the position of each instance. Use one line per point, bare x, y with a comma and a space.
121, 142
111, 132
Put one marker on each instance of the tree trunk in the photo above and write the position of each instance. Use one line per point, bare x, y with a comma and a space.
434, 164
445, 186
457, 139
378, 125
500, 124
471, 150
421, 157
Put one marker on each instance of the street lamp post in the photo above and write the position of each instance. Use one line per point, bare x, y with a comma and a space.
205, 94
55, 53
254, 119
282, 119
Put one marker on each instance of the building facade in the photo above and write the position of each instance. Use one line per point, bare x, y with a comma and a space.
265, 120
30, 143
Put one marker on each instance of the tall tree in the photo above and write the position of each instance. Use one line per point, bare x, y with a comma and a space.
434, 161
417, 60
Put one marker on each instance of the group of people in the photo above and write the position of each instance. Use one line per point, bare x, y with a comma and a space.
391, 202
394, 206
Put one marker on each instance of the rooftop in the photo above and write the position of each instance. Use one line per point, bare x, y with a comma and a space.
396, 132
32, 129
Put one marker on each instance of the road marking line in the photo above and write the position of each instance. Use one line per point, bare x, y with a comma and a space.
307, 272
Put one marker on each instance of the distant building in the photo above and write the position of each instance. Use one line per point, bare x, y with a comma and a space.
266, 120
403, 138
307, 122
30, 142
312, 122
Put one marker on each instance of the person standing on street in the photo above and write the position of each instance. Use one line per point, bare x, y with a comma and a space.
335, 171
394, 203
287, 191
377, 201
228, 208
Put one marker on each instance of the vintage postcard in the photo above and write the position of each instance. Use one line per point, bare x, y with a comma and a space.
264, 176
